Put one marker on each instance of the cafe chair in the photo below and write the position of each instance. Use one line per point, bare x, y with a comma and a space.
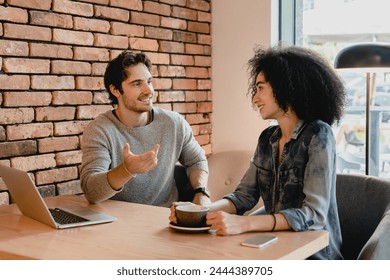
364, 212
226, 169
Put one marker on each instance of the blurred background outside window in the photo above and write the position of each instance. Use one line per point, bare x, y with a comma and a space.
327, 26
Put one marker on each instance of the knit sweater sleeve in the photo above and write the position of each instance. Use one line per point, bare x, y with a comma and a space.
96, 162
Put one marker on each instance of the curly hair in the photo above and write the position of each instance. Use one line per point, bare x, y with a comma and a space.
300, 79
116, 71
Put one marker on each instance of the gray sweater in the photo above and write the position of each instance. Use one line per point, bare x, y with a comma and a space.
102, 147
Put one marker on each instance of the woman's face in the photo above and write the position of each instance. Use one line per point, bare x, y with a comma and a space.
265, 101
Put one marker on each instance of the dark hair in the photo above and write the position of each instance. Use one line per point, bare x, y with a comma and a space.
300, 79
116, 71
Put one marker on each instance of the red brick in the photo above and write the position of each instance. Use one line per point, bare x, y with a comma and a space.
171, 47
203, 139
29, 131
197, 118
98, 69
143, 44
194, 49
171, 71
203, 61
197, 72
145, 19
14, 82
128, 4
13, 14
204, 39
111, 41
101, 98
156, 8
204, 84
204, 16
33, 4
25, 65
184, 108
171, 96
173, 23
112, 13
205, 129
13, 48
130, 30
89, 83
55, 144
91, 54
73, 37
72, 97
198, 5
68, 188
102, 2
70, 67
205, 107
4, 198
18, 148
54, 113
159, 83
184, 84
90, 24
25, 98
17, 115
50, 51
183, 36
92, 111
196, 96
36, 162
179, 12
199, 27
51, 19
73, 7
174, 2
52, 82
69, 128
68, 158
166, 106
56, 175
207, 149
19, 31
182, 59
158, 33
158, 58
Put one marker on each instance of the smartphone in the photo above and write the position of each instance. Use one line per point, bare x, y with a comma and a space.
259, 240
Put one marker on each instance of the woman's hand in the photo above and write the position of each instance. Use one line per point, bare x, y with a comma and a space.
226, 224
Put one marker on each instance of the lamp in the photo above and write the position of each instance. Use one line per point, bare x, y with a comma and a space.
369, 58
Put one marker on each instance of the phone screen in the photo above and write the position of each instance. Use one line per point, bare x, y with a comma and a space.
259, 240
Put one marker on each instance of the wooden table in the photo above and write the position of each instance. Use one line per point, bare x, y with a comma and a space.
140, 233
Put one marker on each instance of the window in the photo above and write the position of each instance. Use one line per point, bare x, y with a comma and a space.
327, 26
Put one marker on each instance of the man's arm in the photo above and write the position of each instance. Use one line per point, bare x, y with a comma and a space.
198, 179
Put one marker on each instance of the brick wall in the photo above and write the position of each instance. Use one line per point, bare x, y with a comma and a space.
53, 54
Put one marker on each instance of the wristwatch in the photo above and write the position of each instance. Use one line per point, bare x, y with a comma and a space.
202, 190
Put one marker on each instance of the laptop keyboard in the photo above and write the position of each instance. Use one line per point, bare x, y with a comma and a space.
63, 217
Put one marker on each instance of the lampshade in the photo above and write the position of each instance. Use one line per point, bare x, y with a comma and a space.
364, 56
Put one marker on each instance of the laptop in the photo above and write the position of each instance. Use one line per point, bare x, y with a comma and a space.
31, 204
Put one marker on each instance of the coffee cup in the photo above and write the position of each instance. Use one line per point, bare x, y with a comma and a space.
191, 215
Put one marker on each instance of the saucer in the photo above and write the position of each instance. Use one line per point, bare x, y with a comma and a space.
189, 229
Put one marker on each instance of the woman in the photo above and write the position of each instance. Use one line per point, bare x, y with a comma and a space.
293, 169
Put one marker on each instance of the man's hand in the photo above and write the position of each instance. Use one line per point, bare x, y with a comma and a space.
136, 164
201, 199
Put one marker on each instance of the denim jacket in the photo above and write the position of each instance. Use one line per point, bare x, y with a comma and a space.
302, 187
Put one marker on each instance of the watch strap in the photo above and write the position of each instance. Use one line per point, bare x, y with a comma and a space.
202, 190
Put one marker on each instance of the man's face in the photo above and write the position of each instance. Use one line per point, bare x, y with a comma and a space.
137, 89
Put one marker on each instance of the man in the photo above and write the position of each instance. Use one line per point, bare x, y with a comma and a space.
130, 152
